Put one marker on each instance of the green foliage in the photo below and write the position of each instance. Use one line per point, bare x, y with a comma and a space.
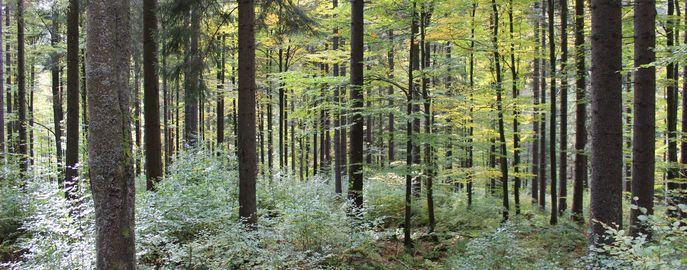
192, 221
665, 250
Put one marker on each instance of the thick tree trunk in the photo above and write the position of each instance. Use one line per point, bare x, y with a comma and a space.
151, 90
73, 96
246, 121
110, 162
607, 156
580, 114
644, 135
355, 187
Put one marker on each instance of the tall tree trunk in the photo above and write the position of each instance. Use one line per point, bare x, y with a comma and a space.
552, 114
192, 82
2, 98
355, 187
8, 63
151, 90
415, 66
472, 88
338, 155
563, 159
644, 135
671, 91
56, 98
138, 132
516, 93
21, 95
270, 136
167, 96
607, 156
390, 93
499, 107
542, 123
580, 114
427, 102
110, 163
73, 96
247, 88
536, 76
407, 241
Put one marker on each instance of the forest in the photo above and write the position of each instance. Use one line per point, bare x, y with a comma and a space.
327, 134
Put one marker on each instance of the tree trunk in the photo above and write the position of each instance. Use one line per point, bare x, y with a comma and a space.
644, 135
56, 98
563, 159
536, 75
73, 96
471, 119
429, 161
2, 98
607, 156
110, 163
499, 107
407, 241
542, 123
672, 182
390, 93
552, 114
151, 90
516, 93
246, 121
192, 82
355, 190
8, 63
580, 114
21, 95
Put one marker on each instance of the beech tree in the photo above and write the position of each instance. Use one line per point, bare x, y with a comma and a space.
109, 151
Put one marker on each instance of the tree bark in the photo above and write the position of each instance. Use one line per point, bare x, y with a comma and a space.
644, 135
110, 162
73, 98
542, 123
355, 190
516, 113
607, 156
21, 95
536, 76
563, 159
2, 98
499, 107
552, 114
246, 121
192, 82
151, 90
580, 114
